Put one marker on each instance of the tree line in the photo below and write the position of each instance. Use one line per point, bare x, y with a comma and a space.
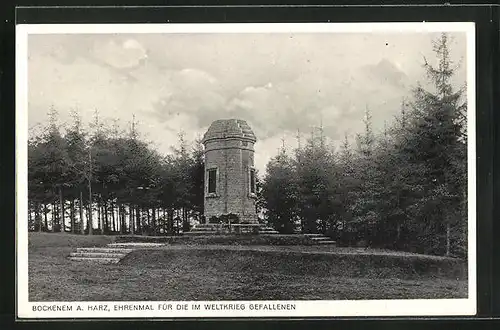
99, 180
404, 188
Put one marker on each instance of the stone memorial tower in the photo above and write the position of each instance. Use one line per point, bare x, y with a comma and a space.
229, 170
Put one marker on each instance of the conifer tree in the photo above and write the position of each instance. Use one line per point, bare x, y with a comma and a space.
436, 142
51, 167
77, 163
280, 193
366, 175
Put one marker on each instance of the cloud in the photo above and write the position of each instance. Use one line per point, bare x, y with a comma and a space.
120, 54
191, 92
278, 83
310, 100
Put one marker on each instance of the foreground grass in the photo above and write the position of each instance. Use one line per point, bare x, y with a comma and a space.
235, 273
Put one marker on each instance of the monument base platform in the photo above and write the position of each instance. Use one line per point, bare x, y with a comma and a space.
230, 229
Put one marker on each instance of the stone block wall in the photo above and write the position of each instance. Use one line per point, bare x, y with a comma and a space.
233, 159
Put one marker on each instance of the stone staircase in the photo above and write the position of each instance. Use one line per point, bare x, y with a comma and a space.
267, 230
110, 254
319, 239
216, 229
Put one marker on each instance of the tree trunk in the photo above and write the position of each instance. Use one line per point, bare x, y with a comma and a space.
37, 218
184, 219
106, 218
45, 217
99, 214
40, 219
120, 218
90, 217
138, 219
61, 203
164, 222
447, 239
140, 223
183, 214
153, 220
125, 222
131, 219
177, 218
81, 213
72, 215
30, 217
34, 216
148, 217
158, 221
170, 222
54, 216
119, 221
113, 218
127, 212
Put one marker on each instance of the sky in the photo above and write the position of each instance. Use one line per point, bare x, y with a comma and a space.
281, 84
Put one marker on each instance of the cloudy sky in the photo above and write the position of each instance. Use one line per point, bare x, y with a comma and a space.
279, 83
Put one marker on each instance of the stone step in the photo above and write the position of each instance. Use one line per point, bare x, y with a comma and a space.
99, 260
204, 229
326, 242
134, 245
217, 230
207, 225
317, 238
313, 235
200, 233
104, 250
97, 255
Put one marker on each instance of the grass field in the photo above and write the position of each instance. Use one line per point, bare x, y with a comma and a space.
188, 270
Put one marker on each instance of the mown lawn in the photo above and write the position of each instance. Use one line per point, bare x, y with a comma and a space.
218, 272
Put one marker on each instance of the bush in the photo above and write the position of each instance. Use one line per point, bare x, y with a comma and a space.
214, 219
57, 228
149, 230
224, 218
233, 218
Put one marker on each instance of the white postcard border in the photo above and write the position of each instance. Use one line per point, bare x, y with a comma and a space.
322, 308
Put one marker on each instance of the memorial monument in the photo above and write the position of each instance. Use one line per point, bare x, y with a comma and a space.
230, 182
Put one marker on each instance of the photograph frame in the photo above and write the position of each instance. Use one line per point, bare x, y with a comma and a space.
380, 315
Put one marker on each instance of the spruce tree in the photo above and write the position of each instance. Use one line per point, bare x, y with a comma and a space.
436, 142
280, 193
76, 144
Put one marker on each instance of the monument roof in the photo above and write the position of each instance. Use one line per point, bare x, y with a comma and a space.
226, 128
